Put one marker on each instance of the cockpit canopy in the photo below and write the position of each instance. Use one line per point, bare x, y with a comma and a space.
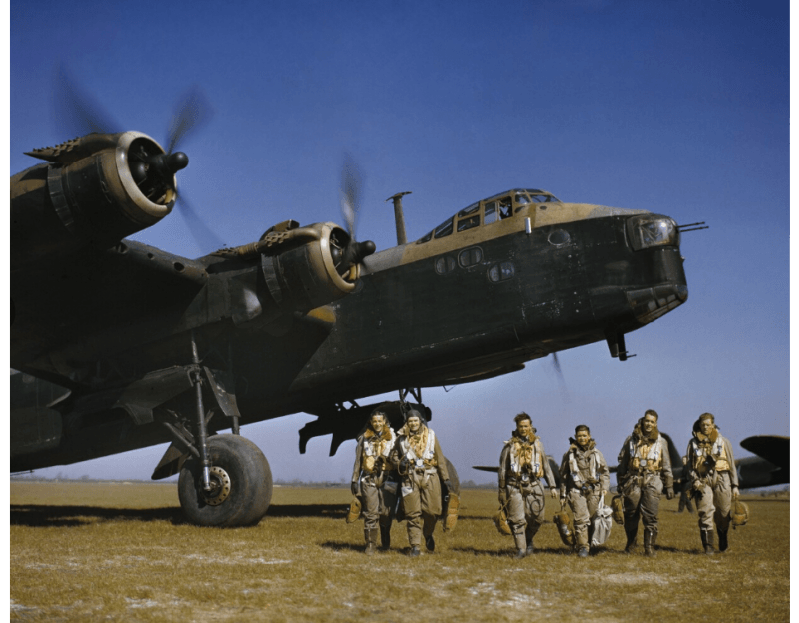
490, 210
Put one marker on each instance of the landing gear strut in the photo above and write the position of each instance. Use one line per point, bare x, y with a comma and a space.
225, 480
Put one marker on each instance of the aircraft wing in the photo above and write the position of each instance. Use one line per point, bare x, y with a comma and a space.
97, 302
773, 448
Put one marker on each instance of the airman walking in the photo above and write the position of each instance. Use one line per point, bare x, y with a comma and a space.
713, 480
585, 478
421, 466
644, 472
522, 465
370, 480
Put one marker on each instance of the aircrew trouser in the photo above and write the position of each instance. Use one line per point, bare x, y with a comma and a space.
378, 504
583, 508
714, 504
641, 502
421, 503
525, 511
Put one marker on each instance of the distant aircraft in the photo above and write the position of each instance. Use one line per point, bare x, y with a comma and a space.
144, 347
770, 467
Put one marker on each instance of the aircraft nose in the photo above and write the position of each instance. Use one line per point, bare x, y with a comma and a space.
648, 304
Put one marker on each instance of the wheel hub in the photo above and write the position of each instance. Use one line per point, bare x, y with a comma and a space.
220, 487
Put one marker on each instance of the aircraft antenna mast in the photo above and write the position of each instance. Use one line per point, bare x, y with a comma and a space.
399, 216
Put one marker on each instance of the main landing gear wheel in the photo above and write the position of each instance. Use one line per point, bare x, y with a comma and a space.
241, 484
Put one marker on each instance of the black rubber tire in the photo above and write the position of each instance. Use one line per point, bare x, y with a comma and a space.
250, 484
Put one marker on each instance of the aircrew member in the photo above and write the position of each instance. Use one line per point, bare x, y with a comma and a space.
714, 480
585, 478
522, 465
421, 466
369, 480
644, 472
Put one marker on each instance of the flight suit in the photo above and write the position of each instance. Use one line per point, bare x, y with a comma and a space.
712, 477
644, 472
421, 467
584, 475
522, 465
372, 477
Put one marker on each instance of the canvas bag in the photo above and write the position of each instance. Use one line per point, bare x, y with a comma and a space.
601, 523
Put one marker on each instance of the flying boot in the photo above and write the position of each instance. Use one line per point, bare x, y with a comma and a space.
385, 536
520, 541
529, 534
723, 543
650, 534
707, 541
632, 533
370, 536
581, 542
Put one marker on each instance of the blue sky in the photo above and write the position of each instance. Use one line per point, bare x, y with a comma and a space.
679, 107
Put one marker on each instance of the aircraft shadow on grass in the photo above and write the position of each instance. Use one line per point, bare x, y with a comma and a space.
41, 515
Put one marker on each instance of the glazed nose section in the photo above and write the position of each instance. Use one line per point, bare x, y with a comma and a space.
658, 237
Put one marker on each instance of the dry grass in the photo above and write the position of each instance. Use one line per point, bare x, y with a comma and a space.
83, 551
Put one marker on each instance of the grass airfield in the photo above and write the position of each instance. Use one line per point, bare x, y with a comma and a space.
121, 552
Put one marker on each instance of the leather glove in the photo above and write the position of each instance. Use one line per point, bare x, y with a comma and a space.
354, 488
669, 493
448, 485
735, 493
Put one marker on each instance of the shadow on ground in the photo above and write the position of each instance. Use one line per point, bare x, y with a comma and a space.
37, 515
40, 515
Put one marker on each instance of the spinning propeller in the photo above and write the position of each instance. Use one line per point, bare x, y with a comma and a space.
347, 256
77, 113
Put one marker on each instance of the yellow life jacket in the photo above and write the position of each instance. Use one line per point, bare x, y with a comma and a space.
525, 457
646, 456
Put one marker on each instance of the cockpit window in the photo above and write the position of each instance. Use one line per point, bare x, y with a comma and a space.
498, 208
522, 199
491, 215
468, 223
445, 229
505, 207
469, 210
469, 217
541, 196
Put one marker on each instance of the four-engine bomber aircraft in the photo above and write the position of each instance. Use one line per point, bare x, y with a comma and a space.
138, 346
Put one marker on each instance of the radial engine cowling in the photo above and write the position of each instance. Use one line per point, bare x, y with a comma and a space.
301, 268
310, 274
94, 190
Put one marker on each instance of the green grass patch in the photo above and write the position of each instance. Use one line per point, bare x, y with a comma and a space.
122, 552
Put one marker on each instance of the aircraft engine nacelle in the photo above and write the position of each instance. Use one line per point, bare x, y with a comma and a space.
307, 276
302, 269
94, 190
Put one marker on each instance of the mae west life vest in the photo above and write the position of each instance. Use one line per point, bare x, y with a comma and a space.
576, 474
645, 457
524, 454
715, 452
428, 452
376, 446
